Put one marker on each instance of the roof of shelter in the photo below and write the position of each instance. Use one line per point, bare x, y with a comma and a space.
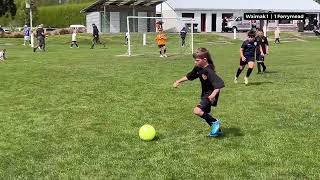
121, 3
264, 5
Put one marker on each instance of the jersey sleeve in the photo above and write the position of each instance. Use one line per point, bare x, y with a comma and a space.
215, 80
244, 44
192, 74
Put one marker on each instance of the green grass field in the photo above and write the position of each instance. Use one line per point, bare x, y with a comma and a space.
75, 113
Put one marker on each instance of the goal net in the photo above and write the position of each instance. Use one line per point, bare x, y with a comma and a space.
142, 32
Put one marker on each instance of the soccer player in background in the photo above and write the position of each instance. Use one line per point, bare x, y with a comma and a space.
96, 38
183, 34
41, 37
161, 41
247, 52
277, 36
211, 84
2, 55
74, 38
26, 32
262, 50
126, 38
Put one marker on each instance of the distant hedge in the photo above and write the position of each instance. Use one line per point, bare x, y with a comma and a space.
62, 15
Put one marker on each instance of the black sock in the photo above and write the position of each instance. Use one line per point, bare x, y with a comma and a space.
165, 50
238, 72
263, 66
249, 72
160, 52
259, 67
209, 119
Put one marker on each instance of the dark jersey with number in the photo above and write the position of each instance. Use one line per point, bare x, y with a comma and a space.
40, 32
208, 78
183, 32
249, 48
95, 31
263, 41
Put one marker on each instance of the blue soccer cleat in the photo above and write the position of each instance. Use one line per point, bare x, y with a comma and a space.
219, 133
215, 127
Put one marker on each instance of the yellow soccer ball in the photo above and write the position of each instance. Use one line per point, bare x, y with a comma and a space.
147, 132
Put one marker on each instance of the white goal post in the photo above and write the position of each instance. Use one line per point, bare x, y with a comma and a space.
190, 20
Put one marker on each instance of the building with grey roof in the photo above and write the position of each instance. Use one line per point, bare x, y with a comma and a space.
111, 15
208, 14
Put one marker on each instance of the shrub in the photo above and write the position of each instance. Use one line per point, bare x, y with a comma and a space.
12, 35
62, 16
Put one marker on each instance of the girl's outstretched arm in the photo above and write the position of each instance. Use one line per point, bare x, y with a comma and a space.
180, 81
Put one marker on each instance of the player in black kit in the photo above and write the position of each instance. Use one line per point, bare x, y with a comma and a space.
247, 52
261, 51
211, 84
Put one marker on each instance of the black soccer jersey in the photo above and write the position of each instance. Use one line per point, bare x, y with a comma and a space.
208, 78
95, 31
263, 41
40, 32
249, 48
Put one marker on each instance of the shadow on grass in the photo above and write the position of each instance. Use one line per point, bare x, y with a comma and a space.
271, 72
156, 138
232, 132
258, 83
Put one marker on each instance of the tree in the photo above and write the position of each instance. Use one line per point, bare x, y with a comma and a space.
34, 4
7, 6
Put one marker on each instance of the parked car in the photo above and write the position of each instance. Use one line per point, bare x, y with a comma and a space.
3, 30
49, 29
79, 27
239, 24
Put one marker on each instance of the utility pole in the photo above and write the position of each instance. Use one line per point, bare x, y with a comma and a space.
29, 6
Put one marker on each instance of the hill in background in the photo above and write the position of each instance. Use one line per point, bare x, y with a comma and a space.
57, 2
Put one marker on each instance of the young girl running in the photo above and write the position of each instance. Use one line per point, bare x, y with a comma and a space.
247, 52
211, 84
161, 41
261, 51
